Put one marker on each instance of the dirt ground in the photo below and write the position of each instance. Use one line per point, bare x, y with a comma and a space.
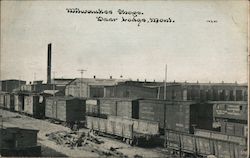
50, 148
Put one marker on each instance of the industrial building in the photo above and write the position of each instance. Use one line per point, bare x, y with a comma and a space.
37, 87
130, 90
204, 91
89, 87
10, 85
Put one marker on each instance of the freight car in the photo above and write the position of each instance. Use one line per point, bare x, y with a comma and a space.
232, 111
192, 145
232, 128
221, 136
177, 115
34, 105
2, 100
122, 107
19, 102
92, 107
65, 109
132, 131
7, 101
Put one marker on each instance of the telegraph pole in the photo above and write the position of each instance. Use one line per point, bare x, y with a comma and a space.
34, 76
19, 84
165, 97
81, 71
248, 111
54, 83
165, 83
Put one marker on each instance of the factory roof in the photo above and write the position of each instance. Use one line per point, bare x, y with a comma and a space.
97, 81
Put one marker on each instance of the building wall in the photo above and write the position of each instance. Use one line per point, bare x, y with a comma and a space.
89, 87
10, 85
209, 92
37, 87
129, 91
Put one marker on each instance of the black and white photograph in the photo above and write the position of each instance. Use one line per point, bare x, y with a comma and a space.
125, 79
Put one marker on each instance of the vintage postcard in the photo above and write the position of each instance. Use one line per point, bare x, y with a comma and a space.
124, 78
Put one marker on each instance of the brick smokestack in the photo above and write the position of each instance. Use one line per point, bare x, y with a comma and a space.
49, 65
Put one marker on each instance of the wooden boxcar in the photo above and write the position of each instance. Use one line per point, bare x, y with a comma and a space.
18, 102
230, 110
65, 109
128, 108
92, 107
9, 101
107, 107
122, 107
2, 100
6, 100
34, 105
177, 115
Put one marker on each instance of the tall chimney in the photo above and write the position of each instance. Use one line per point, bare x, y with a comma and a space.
49, 65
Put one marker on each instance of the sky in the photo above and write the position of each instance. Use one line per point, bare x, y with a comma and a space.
193, 48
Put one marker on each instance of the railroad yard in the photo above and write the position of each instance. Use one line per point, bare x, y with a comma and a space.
108, 117
107, 147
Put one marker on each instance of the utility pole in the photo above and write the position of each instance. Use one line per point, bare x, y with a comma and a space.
165, 83
19, 84
54, 83
165, 97
34, 76
81, 71
248, 122
1, 133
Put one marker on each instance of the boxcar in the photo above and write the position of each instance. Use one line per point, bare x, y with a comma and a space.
19, 102
9, 101
6, 100
128, 108
92, 107
230, 110
181, 116
122, 107
65, 109
107, 107
34, 105
2, 100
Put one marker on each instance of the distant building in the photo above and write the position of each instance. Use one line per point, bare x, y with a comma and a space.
37, 87
132, 89
52, 93
205, 91
61, 83
89, 87
10, 85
